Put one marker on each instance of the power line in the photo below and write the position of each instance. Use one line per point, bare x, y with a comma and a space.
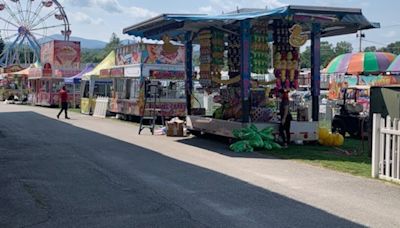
374, 42
390, 26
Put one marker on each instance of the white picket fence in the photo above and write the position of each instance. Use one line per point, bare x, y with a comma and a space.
386, 148
100, 109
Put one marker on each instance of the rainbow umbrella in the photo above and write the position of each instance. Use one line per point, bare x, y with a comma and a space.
362, 63
395, 65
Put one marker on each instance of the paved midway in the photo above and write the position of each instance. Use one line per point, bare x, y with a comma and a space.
89, 172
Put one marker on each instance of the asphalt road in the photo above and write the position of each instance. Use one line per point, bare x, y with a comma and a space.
57, 173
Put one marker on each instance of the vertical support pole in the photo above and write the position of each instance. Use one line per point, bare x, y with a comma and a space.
381, 145
388, 159
73, 90
398, 152
315, 69
376, 127
245, 69
394, 150
189, 71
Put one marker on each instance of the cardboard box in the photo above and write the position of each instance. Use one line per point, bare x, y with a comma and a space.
175, 128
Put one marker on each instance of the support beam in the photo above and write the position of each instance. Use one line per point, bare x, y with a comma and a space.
189, 71
245, 69
163, 28
315, 69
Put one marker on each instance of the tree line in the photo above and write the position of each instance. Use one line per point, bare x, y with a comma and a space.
96, 55
329, 51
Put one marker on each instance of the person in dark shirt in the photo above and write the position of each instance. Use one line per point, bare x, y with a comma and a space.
286, 117
64, 102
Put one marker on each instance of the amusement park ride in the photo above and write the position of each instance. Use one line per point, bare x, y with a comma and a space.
25, 25
33, 63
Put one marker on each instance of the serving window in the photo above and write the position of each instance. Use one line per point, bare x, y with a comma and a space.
119, 84
102, 89
134, 88
172, 89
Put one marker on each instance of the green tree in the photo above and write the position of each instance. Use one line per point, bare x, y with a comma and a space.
113, 44
392, 48
305, 58
343, 47
327, 54
370, 49
92, 55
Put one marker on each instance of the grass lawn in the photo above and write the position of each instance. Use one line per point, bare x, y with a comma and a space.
356, 163
76, 110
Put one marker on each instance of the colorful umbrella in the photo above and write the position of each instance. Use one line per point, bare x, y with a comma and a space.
360, 63
395, 65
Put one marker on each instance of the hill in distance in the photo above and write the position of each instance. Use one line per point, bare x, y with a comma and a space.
85, 43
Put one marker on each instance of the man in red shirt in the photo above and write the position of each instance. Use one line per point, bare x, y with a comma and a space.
64, 102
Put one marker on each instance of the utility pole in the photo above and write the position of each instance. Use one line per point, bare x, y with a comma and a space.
360, 35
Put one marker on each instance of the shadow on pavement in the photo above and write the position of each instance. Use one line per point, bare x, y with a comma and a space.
53, 174
219, 145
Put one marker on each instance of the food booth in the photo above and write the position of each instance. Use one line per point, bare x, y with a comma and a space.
239, 41
14, 82
93, 85
59, 60
74, 84
141, 63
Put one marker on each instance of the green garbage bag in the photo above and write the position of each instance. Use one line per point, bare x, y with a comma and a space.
241, 146
256, 141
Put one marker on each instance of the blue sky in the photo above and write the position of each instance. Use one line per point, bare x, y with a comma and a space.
97, 19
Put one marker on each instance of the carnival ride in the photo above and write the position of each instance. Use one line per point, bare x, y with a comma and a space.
25, 25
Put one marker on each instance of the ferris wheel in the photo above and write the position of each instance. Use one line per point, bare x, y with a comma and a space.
25, 24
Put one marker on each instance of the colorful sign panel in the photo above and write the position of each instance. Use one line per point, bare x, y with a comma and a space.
66, 72
117, 72
67, 54
133, 107
160, 67
150, 54
171, 75
47, 52
61, 54
338, 82
129, 54
105, 73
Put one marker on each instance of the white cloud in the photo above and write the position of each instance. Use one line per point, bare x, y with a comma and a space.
86, 19
206, 9
138, 12
343, 3
365, 4
218, 6
111, 6
76, 2
390, 34
114, 6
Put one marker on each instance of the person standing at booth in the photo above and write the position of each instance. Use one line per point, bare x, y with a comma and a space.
64, 102
286, 118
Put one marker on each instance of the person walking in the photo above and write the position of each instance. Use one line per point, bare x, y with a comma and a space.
64, 102
286, 117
